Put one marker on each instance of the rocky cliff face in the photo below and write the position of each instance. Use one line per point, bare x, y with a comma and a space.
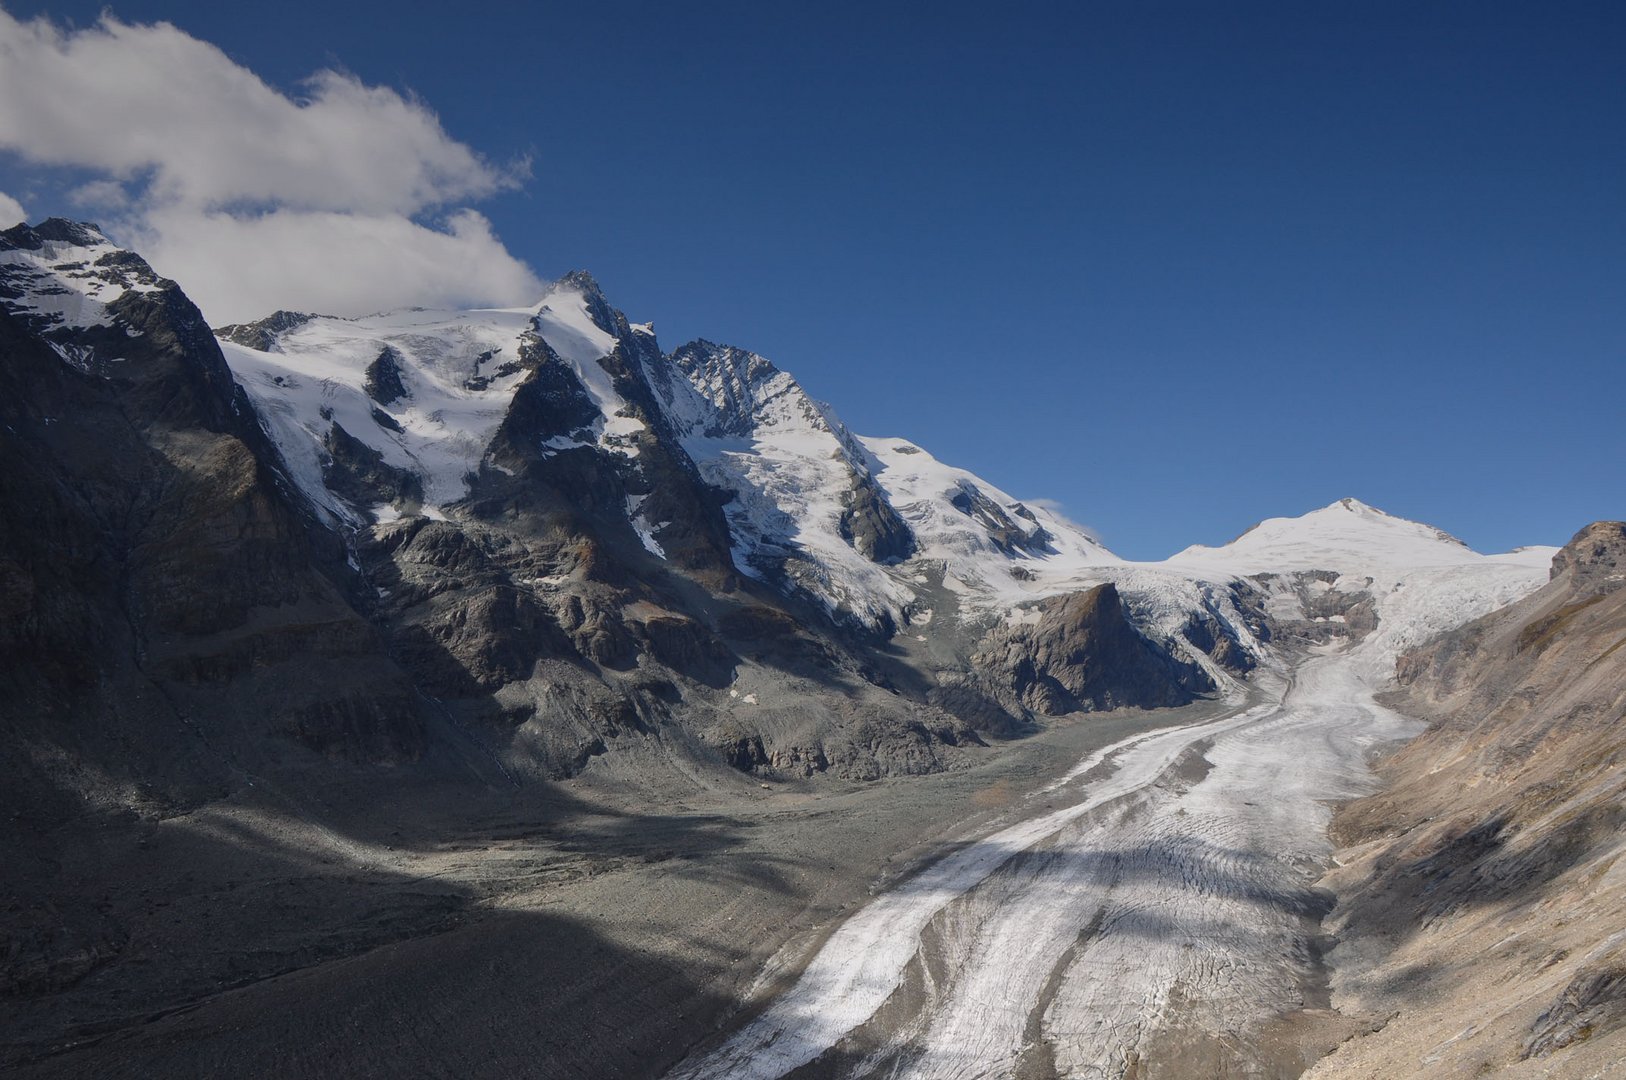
1595, 559
1492, 861
167, 595
1079, 653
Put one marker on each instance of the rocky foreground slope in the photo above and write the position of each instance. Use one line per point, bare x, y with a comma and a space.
1482, 895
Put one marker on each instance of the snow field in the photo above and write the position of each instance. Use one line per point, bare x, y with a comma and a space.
316, 378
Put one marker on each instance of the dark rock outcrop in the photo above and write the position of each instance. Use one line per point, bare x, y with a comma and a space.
383, 377
1595, 557
1206, 633
1082, 655
359, 474
1007, 535
1593, 1003
869, 524
262, 335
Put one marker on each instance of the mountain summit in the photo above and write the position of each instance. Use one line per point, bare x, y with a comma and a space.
1344, 533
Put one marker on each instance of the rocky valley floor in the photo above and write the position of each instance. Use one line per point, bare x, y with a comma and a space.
566, 932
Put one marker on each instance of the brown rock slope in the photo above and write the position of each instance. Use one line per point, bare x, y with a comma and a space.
1482, 896
1081, 654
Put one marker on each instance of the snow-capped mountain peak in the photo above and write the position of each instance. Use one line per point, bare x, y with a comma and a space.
62, 278
751, 396
1352, 564
1346, 534
592, 299
426, 391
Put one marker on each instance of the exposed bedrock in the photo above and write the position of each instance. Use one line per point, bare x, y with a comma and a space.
869, 524
384, 383
1082, 654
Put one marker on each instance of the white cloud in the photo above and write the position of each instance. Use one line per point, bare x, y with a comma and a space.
11, 211
100, 195
132, 99
253, 199
239, 267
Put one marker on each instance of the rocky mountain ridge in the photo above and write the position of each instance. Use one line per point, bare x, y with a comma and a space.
570, 539
550, 539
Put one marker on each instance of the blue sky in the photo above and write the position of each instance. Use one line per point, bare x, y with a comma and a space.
1175, 266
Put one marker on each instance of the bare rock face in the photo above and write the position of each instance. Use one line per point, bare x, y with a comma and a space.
869, 524
262, 335
176, 629
1595, 556
384, 383
1593, 1002
357, 472
1330, 613
1083, 655
1007, 534
1205, 633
